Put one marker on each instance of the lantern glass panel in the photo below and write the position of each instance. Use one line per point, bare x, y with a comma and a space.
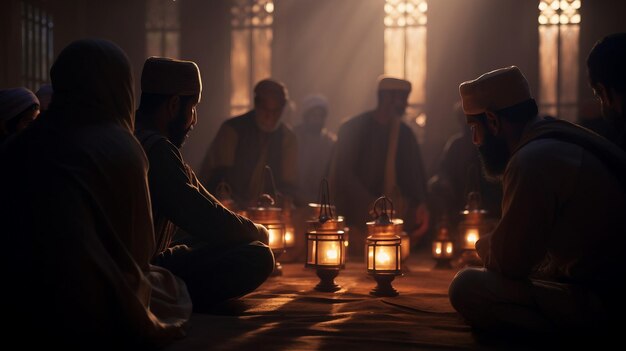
471, 236
290, 237
277, 235
325, 247
383, 254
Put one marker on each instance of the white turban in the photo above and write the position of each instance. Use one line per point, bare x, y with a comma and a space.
15, 101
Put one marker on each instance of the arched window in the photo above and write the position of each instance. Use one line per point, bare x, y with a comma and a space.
251, 49
162, 28
37, 45
559, 31
405, 51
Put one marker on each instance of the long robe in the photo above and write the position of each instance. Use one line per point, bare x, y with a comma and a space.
180, 200
563, 211
76, 217
359, 171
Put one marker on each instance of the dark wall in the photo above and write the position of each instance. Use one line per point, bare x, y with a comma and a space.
330, 47
122, 22
10, 44
205, 33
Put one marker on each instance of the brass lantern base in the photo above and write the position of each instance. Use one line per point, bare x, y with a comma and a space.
383, 286
327, 280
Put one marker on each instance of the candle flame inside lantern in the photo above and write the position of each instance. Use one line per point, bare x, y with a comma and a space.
438, 249
471, 237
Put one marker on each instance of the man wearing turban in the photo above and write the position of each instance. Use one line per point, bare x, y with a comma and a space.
226, 255
554, 261
377, 154
245, 144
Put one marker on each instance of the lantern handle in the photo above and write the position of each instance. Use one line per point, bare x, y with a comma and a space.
383, 201
267, 174
326, 212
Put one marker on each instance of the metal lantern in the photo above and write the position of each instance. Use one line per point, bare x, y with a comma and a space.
471, 228
383, 249
443, 246
290, 232
314, 209
270, 216
325, 250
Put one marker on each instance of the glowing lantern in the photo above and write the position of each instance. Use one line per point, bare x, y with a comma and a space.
383, 249
325, 245
314, 209
271, 216
443, 247
471, 228
290, 233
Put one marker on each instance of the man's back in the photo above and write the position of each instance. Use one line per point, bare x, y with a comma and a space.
562, 202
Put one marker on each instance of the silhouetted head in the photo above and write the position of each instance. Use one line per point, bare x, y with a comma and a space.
393, 95
170, 91
314, 112
497, 105
270, 98
606, 69
18, 107
92, 82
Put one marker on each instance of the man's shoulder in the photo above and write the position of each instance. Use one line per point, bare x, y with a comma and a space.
154, 143
356, 122
240, 119
544, 154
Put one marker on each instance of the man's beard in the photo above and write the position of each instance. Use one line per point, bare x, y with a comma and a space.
494, 156
178, 130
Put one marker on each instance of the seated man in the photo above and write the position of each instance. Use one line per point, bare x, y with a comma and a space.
245, 144
554, 262
76, 218
378, 154
228, 256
